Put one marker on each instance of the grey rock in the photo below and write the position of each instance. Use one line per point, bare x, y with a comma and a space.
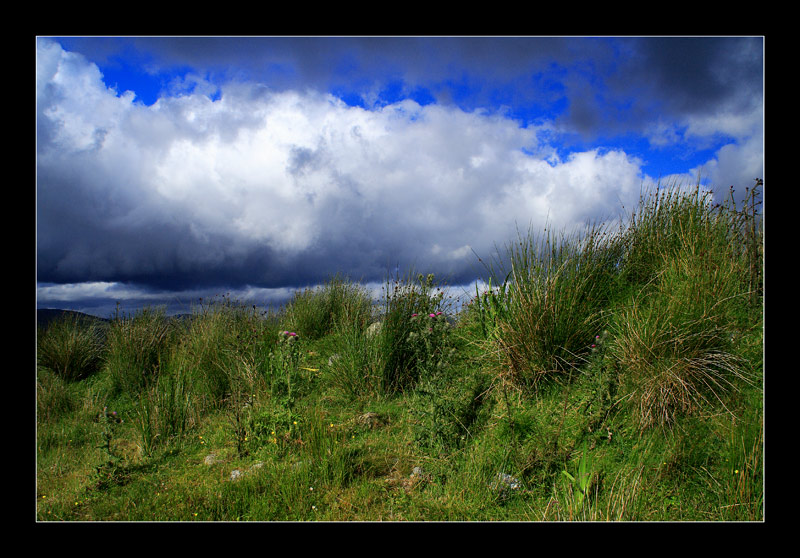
236, 474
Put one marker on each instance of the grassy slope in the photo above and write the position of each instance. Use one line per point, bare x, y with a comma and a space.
625, 395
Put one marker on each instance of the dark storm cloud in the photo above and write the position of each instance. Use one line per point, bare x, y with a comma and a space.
644, 77
664, 78
698, 74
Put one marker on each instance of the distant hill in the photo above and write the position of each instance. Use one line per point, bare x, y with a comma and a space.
46, 315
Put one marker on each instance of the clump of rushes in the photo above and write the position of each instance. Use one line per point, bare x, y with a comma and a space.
673, 337
53, 397
315, 312
357, 368
553, 301
226, 340
165, 408
70, 347
136, 346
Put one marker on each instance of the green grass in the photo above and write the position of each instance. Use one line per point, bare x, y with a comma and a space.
606, 376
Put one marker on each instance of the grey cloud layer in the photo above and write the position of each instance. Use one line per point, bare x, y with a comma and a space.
676, 77
274, 189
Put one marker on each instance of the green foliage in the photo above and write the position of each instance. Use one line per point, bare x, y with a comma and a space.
554, 303
356, 368
414, 334
449, 408
165, 406
136, 346
644, 349
70, 347
742, 498
315, 313
576, 490
492, 307
673, 337
54, 399
228, 345
111, 470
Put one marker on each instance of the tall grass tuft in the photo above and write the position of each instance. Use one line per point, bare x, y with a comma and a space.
137, 344
315, 313
358, 367
165, 407
673, 336
227, 343
553, 302
70, 347
53, 397
673, 221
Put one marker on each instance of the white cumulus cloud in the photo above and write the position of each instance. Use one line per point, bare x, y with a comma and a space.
266, 188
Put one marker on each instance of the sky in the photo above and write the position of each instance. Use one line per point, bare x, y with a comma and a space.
170, 169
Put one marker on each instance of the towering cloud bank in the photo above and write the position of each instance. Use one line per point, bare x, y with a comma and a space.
238, 184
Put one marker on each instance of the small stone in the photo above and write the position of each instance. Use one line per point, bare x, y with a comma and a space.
372, 420
508, 480
210, 459
235, 474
